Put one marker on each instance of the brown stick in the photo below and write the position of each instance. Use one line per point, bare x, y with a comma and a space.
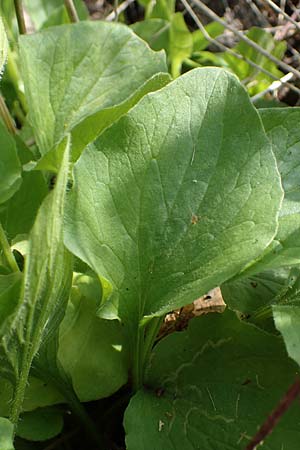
275, 416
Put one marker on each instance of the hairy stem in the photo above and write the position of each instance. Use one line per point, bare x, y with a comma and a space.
275, 416
4, 245
70, 7
20, 16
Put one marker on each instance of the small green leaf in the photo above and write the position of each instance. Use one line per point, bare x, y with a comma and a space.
45, 289
3, 46
41, 424
10, 167
9, 294
211, 387
248, 294
287, 321
6, 434
91, 348
181, 43
74, 71
17, 215
153, 31
200, 42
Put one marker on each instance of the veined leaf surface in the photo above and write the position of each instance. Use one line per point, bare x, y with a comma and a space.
74, 71
211, 387
177, 196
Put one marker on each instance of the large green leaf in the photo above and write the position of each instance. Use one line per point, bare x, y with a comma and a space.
3, 46
176, 197
211, 387
10, 167
44, 292
74, 71
91, 348
282, 127
6, 434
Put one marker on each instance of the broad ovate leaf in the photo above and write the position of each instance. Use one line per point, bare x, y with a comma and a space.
44, 292
176, 197
72, 72
211, 387
10, 167
3, 46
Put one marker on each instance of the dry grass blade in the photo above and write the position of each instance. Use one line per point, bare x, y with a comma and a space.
121, 8
212, 15
283, 13
223, 47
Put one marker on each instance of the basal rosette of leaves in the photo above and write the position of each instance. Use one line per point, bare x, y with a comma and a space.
177, 188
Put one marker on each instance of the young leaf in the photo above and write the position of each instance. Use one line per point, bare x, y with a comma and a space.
248, 294
287, 321
17, 215
6, 434
41, 424
74, 71
44, 292
153, 31
181, 43
91, 348
176, 197
211, 387
10, 167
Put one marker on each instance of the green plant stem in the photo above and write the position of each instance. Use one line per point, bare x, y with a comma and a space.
137, 361
7, 119
151, 333
145, 340
4, 244
72, 13
20, 16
